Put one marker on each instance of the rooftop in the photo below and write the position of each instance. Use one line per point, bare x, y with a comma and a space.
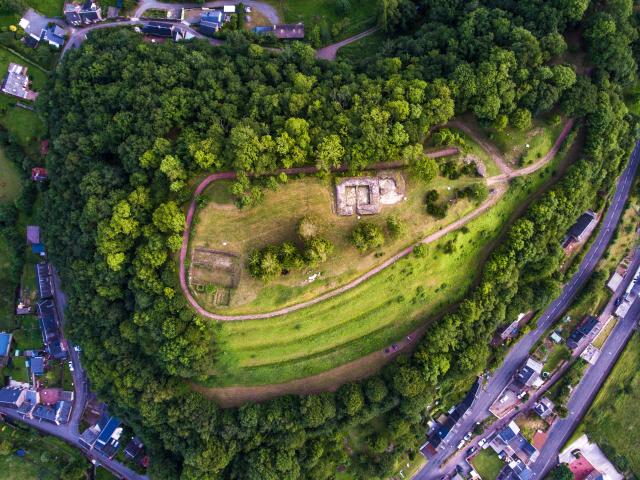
16, 83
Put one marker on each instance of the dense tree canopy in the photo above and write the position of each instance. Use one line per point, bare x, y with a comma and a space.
133, 122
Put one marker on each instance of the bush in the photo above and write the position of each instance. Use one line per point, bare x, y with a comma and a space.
395, 226
367, 236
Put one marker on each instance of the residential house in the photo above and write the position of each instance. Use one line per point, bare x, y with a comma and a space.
453, 417
580, 230
36, 364
54, 35
31, 399
134, 449
530, 374
515, 470
77, 14
58, 413
544, 408
33, 239
39, 174
157, 29
229, 9
45, 282
210, 22
16, 83
510, 443
615, 281
50, 331
284, 31
588, 462
6, 342
584, 330
108, 439
12, 397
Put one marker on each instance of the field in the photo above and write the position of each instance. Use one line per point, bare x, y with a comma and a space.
557, 355
598, 342
612, 421
220, 226
513, 143
24, 124
49, 8
487, 464
358, 18
371, 316
10, 181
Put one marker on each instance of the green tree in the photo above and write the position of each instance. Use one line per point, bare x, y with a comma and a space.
367, 236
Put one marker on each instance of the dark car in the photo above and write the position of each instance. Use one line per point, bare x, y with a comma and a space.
471, 451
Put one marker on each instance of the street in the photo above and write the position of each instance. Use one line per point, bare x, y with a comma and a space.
520, 351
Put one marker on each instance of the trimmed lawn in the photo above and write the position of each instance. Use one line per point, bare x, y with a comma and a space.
7, 19
360, 16
598, 342
612, 420
10, 181
27, 334
412, 292
7, 288
17, 369
487, 464
49, 8
222, 226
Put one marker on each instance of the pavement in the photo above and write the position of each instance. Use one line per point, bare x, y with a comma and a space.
330, 51
520, 351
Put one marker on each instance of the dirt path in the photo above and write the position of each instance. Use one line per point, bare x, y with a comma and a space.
500, 187
330, 51
481, 140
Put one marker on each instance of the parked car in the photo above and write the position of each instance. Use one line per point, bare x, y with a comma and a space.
71, 366
482, 442
471, 451
461, 444
77, 348
468, 436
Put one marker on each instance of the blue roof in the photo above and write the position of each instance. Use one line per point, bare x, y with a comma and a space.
5, 344
212, 16
108, 430
507, 434
37, 248
37, 365
263, 29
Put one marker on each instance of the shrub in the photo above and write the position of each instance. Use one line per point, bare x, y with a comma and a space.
367, 236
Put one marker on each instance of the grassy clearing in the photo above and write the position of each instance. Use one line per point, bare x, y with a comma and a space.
221, 226
10, 181
49, 8
487, 464
25, 125
7, 19
367, 318
513, 143
17, 370
612, 420
358, 18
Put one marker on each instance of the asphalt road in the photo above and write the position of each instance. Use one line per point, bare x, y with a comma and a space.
518, 354
585, 392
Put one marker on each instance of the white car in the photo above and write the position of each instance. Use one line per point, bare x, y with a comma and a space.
468, 436
482, 442
71, 366
461, 444
77, 348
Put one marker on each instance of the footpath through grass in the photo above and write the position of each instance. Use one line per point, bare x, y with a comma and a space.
612, 421
412, 292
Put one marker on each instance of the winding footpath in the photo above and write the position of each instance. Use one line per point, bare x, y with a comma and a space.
500, 187
330, 51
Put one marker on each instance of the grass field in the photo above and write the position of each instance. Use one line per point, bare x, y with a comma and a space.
358, 18
7, 19
367, 318
612, 421
221, 226
559, 353
49, 8
26, 125
487, 464
10, 181
598, 342
513, 143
